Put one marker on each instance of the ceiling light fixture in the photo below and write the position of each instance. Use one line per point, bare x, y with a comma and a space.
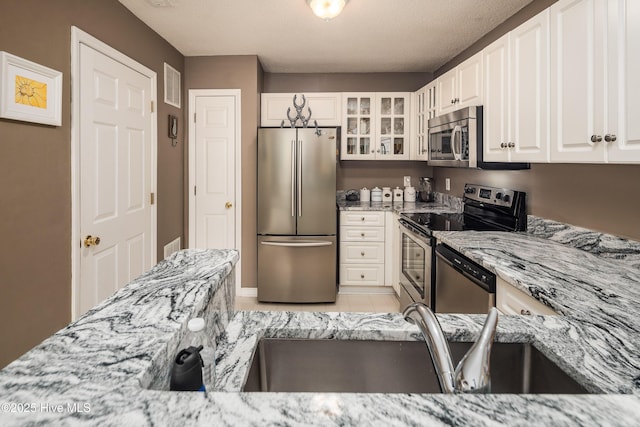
327, 9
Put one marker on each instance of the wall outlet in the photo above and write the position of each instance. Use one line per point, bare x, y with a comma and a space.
447, 184
407, 181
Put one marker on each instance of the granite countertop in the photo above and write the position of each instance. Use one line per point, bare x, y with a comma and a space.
114, 359
397, 207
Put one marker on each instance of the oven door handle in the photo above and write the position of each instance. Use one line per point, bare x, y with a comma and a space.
450, 263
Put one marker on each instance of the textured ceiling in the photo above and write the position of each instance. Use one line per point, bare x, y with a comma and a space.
369, 35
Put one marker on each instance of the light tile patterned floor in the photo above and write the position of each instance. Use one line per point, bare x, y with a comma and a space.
369, 303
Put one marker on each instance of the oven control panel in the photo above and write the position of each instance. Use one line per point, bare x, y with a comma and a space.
490, 195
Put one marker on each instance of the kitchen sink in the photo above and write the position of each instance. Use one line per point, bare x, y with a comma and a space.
302, 365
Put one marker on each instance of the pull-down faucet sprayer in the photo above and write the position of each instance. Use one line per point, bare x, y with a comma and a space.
472, 373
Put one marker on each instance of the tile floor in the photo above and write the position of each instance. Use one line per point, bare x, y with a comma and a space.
370, 303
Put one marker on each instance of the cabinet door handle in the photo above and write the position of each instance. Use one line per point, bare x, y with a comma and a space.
511, 144
525, 312
596, 138
610, 137
503, 145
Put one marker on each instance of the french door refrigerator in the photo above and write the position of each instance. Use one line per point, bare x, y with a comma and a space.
297, 214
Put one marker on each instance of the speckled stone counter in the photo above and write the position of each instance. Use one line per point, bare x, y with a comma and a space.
443, 203
110, 357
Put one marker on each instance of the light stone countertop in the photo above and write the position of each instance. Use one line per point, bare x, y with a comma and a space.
115, 358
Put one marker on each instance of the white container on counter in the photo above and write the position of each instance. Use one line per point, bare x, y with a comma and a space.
365, 195
376, 195
386, 194
398, 195
409, 194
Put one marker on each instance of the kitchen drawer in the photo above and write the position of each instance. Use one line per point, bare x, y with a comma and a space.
362, 274
366, 218
362, 253
362, 234
510, 300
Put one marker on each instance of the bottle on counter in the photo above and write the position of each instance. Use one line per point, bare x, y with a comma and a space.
197, 336
376, 195
409, 194
386, 194
398, 195
365, 195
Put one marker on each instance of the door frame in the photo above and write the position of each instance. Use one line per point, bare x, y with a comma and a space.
79, 37
236, 93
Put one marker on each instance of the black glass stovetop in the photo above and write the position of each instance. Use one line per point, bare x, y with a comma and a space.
428, 222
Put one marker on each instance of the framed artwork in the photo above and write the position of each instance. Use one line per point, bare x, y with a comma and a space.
29, 92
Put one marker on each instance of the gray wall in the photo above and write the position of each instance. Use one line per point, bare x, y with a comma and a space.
244, 73
35, 164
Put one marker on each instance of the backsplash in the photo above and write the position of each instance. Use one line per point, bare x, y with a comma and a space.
594, 242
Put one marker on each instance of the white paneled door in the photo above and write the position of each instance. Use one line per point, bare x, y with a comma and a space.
115, 176
214, 162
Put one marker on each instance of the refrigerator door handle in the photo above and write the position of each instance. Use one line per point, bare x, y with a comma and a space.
299, 244
299, 177
293, 178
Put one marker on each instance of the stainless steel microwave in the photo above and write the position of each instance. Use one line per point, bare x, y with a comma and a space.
456, 140
453, 138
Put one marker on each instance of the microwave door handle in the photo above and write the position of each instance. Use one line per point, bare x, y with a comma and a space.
456, 130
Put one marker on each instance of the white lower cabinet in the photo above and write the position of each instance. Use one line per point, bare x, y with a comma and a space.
510, 300
362, 248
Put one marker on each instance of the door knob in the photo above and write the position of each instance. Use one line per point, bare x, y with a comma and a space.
228, 205
91, 241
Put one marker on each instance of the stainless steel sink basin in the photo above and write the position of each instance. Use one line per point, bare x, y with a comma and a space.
299, 365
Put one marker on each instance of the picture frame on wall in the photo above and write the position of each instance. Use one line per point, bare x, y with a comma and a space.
29, 92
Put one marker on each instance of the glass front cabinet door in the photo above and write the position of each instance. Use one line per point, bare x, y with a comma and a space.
375, 126
392, 140
358, 126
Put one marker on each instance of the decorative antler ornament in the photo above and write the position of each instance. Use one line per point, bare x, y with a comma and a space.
299, 116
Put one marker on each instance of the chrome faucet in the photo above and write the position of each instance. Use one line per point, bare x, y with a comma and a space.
472, 373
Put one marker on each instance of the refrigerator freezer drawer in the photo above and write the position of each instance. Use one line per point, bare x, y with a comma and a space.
297, 268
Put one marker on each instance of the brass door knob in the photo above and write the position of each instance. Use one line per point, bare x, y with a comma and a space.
228, 205
91, 241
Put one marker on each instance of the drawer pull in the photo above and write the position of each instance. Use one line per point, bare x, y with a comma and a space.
362, 276
362, 234
525, 312
362, 253
362, 218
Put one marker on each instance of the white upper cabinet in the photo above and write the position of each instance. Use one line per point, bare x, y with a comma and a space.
424, 107
624, 83
595, 75
376, 126
462, 86
358, 126
516, 94
325, 108
393, 127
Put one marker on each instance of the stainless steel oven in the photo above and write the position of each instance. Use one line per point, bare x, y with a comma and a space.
416, 261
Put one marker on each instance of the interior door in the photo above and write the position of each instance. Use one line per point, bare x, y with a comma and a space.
115, 176
215, 202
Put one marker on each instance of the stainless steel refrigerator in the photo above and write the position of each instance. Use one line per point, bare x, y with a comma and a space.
297, 214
